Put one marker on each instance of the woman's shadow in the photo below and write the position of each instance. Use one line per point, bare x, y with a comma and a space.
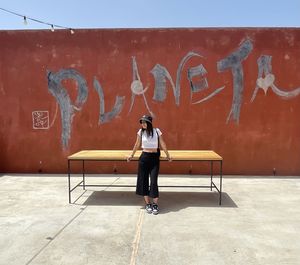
168, 201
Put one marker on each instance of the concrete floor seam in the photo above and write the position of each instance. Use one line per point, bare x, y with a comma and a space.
56, 235
136, 241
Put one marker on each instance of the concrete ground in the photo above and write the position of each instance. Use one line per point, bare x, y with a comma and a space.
258, 222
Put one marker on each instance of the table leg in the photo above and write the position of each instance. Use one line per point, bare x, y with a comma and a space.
211, 174
221, 173
69, 180
83, 175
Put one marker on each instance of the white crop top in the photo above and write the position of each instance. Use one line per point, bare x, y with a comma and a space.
150, 142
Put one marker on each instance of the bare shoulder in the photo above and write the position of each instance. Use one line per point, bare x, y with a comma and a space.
158, 131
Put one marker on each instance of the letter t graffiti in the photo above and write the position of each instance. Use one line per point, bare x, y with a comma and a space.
234, 62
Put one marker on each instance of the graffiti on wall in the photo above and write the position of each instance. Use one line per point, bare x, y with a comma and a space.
67, 108
161, 75
137, 86
233, 62
266, 79
40, 120
196, 77
107, 116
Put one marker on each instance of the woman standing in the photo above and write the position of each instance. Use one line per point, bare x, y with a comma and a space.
151, 140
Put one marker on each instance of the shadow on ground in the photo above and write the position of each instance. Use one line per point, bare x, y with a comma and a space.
169, 201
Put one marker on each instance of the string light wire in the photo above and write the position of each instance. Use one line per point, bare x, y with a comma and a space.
26, 18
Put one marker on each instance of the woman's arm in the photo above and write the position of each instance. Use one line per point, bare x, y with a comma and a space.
164, 147
136, 147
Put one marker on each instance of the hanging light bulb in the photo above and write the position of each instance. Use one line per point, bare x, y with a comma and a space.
25, 20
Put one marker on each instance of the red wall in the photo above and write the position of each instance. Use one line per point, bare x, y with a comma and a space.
41, 70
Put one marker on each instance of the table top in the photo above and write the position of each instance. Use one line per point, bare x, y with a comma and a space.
119, 155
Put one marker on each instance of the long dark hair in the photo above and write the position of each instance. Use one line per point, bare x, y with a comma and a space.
149, 129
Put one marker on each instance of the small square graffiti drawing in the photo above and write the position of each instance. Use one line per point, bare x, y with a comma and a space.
40, 119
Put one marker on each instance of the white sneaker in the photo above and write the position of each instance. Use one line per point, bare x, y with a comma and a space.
148, 208
155, 209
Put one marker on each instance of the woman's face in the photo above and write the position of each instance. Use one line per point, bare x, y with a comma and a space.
144, 125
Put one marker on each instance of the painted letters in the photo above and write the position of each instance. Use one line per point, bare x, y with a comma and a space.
266, 79
67, 109
107, 116
234, 62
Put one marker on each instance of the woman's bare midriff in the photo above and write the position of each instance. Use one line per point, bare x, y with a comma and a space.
150, 150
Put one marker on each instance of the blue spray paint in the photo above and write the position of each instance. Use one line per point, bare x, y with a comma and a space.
266, 79
234, 62
108, 116
160, 74
67, 109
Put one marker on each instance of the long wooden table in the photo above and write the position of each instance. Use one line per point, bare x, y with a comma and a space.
121, 155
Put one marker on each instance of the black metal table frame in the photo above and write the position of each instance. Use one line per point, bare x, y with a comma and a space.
84, 185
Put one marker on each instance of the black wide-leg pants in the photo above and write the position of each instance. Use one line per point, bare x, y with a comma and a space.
148, 166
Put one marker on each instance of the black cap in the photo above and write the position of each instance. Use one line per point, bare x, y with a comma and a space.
146, 118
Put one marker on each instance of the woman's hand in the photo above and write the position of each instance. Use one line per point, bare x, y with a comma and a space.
129, 158
169, 158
